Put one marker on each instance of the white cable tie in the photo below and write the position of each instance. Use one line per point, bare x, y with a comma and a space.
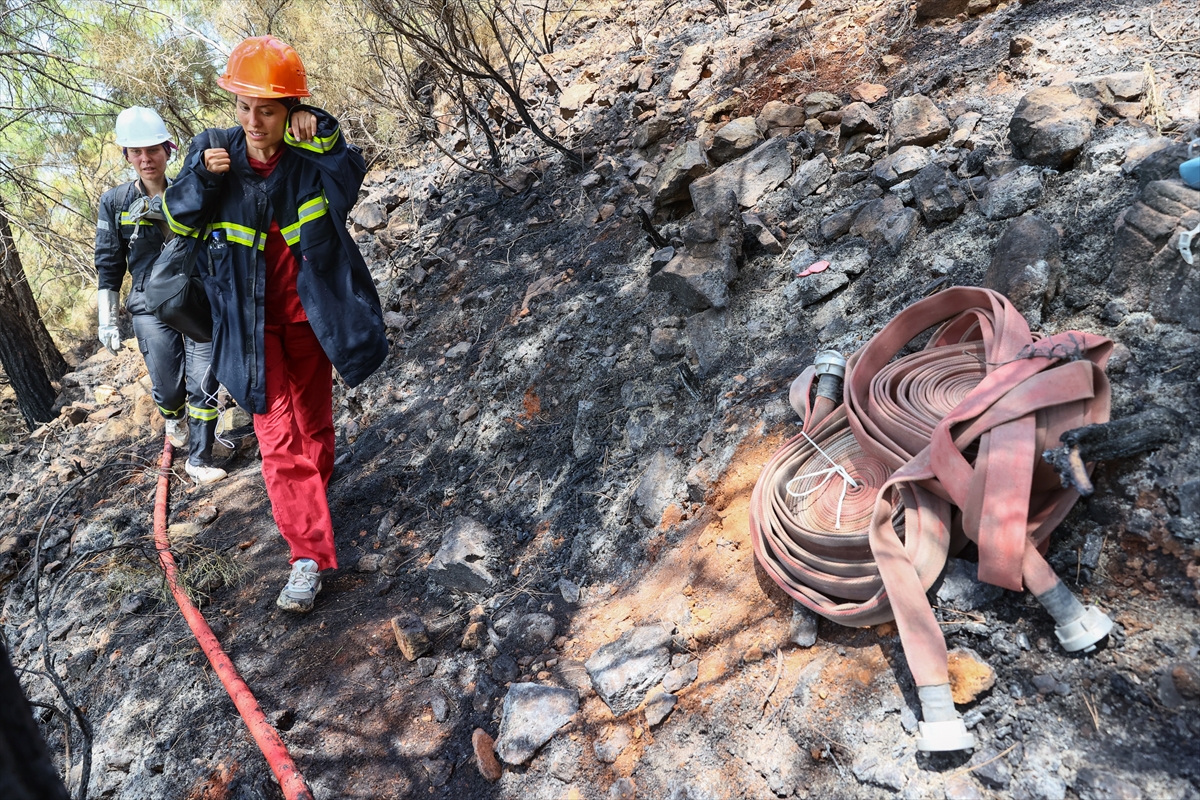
828, 472
840, 469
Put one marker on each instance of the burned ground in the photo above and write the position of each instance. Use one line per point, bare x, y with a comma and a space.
533, 385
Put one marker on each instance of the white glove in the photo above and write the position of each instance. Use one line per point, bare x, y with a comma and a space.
107, 302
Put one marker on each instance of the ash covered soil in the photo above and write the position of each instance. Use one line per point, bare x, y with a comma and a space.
533, 409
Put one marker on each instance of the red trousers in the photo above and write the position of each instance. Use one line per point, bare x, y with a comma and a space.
295, 437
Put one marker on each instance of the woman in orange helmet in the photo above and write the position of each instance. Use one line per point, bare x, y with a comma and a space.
292, 296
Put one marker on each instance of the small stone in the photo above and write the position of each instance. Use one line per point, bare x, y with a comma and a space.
623, 789
371, 216
991, 768
869, 92
462, 561
936, 9
474, 636
820, 102
1026, 265
780, 119
575, 97
685, 164
810, 176
1187, 680
878, 769
438, 770
802, 631
1051, 124
937, 194
130, 603
901, 165
569, 590
859, 118
749, 178
411, 635
439, 708
753, 654
389, 565
661, 258
427, 666
1020, 45
623, 671
659, 705
916, 120
681, 676
1049, 684
734, 139
609, 749
970, 675
532, 633
485, 756
368, 563
1013, 193
504, 669
532, 714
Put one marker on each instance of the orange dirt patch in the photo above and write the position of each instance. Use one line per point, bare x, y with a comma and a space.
217, 785
705, 585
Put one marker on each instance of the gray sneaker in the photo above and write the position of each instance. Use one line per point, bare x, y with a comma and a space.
177, 432
302, 587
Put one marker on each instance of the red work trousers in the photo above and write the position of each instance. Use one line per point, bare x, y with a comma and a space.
295, 437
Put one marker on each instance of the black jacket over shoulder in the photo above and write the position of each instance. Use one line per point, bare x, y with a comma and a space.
309, 194
123, 244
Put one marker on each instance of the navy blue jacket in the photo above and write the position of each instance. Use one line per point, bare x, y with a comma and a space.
309, 194
118, 249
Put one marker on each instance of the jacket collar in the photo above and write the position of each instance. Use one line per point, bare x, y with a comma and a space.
240, 160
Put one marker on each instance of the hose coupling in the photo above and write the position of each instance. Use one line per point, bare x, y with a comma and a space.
831, 369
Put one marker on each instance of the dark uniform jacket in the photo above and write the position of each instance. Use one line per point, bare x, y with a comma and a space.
122, 243
309, 194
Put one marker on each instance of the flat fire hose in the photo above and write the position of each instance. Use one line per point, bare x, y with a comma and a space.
265, 736
957, 428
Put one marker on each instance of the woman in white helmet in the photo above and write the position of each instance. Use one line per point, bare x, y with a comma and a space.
130, 234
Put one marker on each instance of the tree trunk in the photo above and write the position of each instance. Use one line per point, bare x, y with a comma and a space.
19, 354
26, 771
14, 274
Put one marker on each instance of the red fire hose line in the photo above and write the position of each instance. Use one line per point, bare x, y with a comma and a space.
272, 747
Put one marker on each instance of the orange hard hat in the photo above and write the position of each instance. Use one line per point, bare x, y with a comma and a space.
264, 67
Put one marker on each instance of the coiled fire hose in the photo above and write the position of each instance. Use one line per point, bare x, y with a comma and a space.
265, 736
856, 516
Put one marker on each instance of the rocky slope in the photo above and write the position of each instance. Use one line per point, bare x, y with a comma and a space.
541, 499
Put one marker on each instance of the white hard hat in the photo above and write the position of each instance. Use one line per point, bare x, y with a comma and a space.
141, 127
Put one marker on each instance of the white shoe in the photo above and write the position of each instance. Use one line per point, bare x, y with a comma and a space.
204, 475
302, 587
177, 432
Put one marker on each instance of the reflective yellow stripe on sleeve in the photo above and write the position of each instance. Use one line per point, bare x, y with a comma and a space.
307, 212
240, 234
319, 144
177, 227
